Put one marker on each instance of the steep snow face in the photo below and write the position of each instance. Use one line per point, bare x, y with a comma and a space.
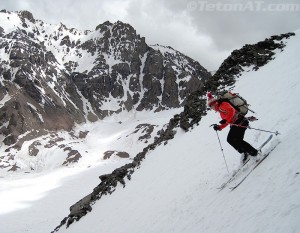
176, 188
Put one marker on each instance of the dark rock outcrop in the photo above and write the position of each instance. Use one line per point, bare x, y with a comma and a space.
121, 154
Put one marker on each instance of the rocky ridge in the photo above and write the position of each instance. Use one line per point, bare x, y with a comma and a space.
249, 57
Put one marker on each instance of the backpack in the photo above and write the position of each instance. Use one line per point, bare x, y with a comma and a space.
236, 101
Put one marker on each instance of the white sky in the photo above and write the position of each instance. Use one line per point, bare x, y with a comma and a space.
207, 31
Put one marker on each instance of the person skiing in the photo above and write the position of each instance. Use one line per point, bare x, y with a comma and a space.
238, 125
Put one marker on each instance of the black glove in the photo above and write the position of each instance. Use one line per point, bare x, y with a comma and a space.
222, 122
217, 128
252, 118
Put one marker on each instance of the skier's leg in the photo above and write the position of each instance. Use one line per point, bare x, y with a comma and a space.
235, 138
249, 149
245, 145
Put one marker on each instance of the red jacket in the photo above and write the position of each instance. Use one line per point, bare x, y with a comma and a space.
227, 112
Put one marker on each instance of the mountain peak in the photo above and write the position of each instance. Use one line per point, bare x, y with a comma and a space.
120, 24
52, 77
104, 26
26, 15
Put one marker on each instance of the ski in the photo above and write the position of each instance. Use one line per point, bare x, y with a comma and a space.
233, 176
268, 139
252, 169
243, 167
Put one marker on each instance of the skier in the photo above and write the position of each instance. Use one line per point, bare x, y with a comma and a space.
238, 125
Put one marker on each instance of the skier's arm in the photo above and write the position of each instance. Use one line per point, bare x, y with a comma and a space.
227, 113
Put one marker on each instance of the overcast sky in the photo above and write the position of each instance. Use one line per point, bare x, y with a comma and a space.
205, 30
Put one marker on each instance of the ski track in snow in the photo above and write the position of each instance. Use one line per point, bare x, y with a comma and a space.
175, 190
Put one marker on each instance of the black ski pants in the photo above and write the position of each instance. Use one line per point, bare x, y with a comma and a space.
236, 137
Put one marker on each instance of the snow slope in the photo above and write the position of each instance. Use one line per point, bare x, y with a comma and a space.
175, 190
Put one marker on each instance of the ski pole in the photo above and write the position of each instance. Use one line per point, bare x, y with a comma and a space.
222, 149
248, 127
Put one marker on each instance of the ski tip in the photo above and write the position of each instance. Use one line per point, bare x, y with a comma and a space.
232, 188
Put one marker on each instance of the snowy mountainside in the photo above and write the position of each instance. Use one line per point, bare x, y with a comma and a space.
53, 78
176, 188
114, 138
